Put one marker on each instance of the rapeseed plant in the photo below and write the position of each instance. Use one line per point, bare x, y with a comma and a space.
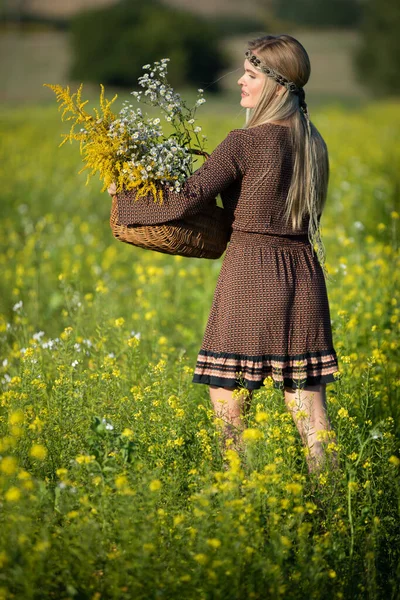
125, 493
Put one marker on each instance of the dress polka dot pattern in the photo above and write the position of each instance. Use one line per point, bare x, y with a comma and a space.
270, 313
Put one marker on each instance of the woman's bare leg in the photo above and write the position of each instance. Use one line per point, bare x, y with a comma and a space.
232, 407
308, 409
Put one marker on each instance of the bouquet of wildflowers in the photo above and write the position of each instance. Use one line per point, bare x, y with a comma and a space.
130, 148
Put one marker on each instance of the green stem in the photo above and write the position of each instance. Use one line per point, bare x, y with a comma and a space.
349, 509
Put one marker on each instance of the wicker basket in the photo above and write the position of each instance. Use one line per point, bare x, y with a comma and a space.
204, 235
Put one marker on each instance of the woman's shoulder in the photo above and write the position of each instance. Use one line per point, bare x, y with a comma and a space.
271, 130
240, 134
238, 140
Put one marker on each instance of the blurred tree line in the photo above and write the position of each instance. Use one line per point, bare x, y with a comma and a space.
319, 13
111, 44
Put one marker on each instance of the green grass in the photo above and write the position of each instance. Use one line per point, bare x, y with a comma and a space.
141, 507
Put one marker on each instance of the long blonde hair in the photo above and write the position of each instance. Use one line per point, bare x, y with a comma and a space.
309, 185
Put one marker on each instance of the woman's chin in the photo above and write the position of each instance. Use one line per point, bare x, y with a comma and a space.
245, 102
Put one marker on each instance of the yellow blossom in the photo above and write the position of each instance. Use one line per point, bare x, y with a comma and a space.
38, 451
101, 288
261, 417
353, 456
252, 435
343, 413
16, 417
41, 546
62, 473
155, 485
178, 519
394, 460
66, 333
214, 542
128, 433
13, 494
286, 541
8, 465
72, 514
121, 482
294, 488
24, 475
332, 573
85, 459
202, 559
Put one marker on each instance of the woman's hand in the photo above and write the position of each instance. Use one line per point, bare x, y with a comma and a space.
112, 189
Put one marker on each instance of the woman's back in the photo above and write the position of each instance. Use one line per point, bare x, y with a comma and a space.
256, 202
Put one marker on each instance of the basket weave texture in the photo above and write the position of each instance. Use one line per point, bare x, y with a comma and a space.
203, 235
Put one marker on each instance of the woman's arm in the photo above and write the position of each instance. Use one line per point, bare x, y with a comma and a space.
227, 163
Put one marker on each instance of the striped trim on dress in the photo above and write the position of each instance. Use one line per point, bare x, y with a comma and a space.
234, 370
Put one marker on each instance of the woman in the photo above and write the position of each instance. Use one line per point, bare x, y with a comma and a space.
270, 314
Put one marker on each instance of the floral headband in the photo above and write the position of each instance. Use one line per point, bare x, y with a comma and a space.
289, 85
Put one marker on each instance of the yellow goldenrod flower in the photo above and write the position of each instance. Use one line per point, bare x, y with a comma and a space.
394, 460
66, 333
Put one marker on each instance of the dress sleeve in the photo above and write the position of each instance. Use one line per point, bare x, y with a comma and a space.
226, 164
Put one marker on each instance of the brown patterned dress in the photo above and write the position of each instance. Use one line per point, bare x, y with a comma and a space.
270, 314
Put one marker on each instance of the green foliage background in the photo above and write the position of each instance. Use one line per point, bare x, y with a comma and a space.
111, 44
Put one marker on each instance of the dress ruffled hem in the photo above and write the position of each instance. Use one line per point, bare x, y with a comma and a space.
238, 370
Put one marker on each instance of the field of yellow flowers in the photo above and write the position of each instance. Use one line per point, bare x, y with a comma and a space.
112, 483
